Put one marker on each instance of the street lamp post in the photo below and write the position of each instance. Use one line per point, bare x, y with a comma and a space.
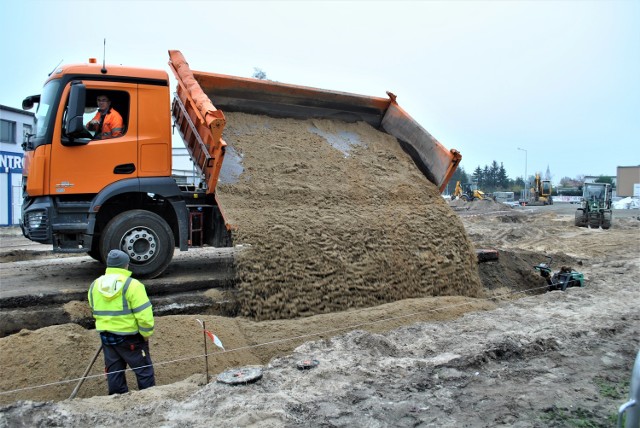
525, 172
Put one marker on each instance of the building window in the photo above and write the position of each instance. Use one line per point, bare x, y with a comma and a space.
7, 131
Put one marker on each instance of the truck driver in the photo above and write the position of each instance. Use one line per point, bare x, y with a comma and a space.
107, 123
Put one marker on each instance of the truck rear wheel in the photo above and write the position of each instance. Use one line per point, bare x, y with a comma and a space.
145, 237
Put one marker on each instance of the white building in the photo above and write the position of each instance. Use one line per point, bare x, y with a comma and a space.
14, 123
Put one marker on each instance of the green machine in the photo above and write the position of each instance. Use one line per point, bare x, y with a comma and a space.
595, 209
566, 277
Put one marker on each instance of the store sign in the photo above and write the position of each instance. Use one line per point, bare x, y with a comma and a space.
11, 161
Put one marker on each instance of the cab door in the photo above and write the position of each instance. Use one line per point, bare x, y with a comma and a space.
94, 164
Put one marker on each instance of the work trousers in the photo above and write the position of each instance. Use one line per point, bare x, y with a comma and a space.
133, 351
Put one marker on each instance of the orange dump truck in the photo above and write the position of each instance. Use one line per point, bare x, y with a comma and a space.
83, 194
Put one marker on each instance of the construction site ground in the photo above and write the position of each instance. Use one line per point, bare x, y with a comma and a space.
516, 356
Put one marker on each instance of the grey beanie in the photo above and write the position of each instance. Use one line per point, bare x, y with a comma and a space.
117, 258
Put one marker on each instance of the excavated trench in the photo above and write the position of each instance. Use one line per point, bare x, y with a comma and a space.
511, 271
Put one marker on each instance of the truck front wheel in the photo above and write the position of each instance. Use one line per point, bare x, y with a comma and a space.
145, 237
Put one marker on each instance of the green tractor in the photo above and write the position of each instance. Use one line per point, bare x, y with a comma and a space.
595, 209
566, 277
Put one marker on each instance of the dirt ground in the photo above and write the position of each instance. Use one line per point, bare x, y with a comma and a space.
427, 340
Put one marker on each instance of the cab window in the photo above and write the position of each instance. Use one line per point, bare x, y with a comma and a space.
106, 127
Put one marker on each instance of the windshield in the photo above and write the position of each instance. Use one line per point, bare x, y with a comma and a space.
594, 192
45, 107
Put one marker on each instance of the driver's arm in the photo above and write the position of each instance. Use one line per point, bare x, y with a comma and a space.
92, 125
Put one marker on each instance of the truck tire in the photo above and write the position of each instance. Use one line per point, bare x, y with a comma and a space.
145, 237
579, 220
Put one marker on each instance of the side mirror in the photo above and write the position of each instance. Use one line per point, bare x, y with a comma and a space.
74, 126
28, 102
75, 110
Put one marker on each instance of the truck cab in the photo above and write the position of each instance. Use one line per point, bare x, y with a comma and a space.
83, 194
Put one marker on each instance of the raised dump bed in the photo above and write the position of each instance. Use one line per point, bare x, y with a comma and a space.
338, 196
274, 99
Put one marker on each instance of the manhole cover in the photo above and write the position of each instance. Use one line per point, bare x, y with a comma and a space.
307, 364
239, 376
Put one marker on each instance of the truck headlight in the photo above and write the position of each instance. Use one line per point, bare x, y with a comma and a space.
35, 219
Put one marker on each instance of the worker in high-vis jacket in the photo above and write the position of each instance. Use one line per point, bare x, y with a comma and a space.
124, 318
107, 123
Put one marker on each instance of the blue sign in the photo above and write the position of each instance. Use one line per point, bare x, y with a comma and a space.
11, 162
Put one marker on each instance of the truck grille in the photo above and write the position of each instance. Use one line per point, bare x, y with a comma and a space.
36, 224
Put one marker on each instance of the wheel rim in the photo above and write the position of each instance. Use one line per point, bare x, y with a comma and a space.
140, 244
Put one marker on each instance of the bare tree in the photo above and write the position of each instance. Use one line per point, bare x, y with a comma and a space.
258, 73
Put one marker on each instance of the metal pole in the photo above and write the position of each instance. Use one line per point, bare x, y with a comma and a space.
86, 372
525, 173
206, 357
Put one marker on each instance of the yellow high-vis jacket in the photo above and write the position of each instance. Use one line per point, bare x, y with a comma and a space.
120, 304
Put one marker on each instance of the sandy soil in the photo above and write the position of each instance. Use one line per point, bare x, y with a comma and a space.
337, 217
506, 353
513, 359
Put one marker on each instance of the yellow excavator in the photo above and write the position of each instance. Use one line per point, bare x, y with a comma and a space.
540, 194
469, 192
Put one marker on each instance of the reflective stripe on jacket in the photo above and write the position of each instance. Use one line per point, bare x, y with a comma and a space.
120, 304
112, 126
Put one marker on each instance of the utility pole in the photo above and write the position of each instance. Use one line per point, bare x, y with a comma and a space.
525, 173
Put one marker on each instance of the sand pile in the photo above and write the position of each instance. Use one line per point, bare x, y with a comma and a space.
337, 216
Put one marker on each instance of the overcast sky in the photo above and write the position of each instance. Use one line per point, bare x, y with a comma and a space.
559, 79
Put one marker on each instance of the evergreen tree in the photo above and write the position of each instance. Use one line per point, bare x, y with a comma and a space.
477, 175
459, 175
503, 179
604, 179
486, 178
494, 179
